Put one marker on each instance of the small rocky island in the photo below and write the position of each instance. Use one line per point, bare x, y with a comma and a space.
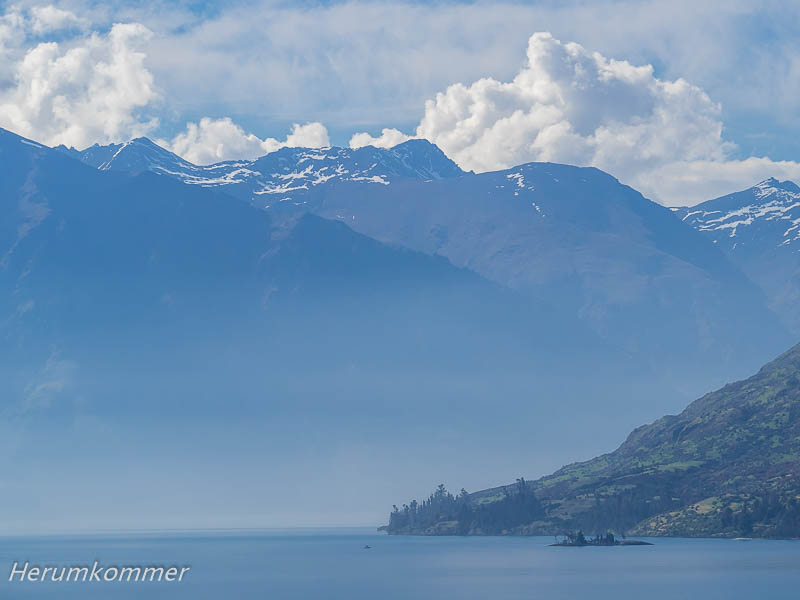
578, 540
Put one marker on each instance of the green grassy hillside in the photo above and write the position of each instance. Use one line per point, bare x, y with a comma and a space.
728, 465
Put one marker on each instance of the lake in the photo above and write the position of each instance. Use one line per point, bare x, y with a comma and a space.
332, 564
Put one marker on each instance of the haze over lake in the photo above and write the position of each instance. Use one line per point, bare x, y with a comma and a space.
333, 564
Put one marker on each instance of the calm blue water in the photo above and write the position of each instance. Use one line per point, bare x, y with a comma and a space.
331, 564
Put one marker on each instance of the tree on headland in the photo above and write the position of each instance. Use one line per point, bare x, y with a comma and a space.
462, 516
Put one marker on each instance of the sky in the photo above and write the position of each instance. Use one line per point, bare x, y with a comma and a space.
684, 100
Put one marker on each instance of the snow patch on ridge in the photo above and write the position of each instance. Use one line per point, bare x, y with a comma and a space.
773, 204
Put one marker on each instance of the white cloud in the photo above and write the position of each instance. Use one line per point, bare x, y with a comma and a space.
215, 140
372, 63
12, 35
310, 135
387, 139
97, 88
570, 105
46, 19
688, 183
334, 62
81, 93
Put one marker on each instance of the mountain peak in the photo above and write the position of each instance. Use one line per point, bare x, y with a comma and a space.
772, 185
288, 172
768, 210
416, 143
422, 155
145, 141
759, 229
138, 154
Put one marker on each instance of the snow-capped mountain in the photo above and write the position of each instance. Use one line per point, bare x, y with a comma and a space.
128, 295
289, 174
759, 229
571, 237
767, 214
132, 258
140, 154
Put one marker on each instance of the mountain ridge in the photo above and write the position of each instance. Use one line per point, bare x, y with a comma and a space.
270, 174
759, 231
567, 236
145, 306
726, 466
356, 310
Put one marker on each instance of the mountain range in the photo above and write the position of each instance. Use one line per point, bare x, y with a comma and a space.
565, 236
102, 254
316, 317
149, 322
757, 228
288, 174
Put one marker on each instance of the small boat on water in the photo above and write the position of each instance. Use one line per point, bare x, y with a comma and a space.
367, 547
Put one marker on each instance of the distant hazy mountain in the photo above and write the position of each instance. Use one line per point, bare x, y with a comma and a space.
759, 230
570, 237
92, 252
728, 465
147, 322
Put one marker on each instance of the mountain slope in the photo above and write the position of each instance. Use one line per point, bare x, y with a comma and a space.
579, 239
759, 230
86, 249
570, 237
168, 335
140, 154
728, 465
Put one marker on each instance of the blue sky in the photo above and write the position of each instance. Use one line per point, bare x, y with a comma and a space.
214, 81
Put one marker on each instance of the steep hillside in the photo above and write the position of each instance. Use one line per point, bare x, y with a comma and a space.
728, 465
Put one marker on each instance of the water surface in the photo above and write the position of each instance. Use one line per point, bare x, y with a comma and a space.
332, 564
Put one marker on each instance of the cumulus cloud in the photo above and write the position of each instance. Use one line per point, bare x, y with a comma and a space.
215, 140
12, 35
567, 104
388, 138
81, 93
92, 87
310, 135
570, 105
45, 19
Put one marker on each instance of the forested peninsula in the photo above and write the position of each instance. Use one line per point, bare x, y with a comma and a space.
727, 466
